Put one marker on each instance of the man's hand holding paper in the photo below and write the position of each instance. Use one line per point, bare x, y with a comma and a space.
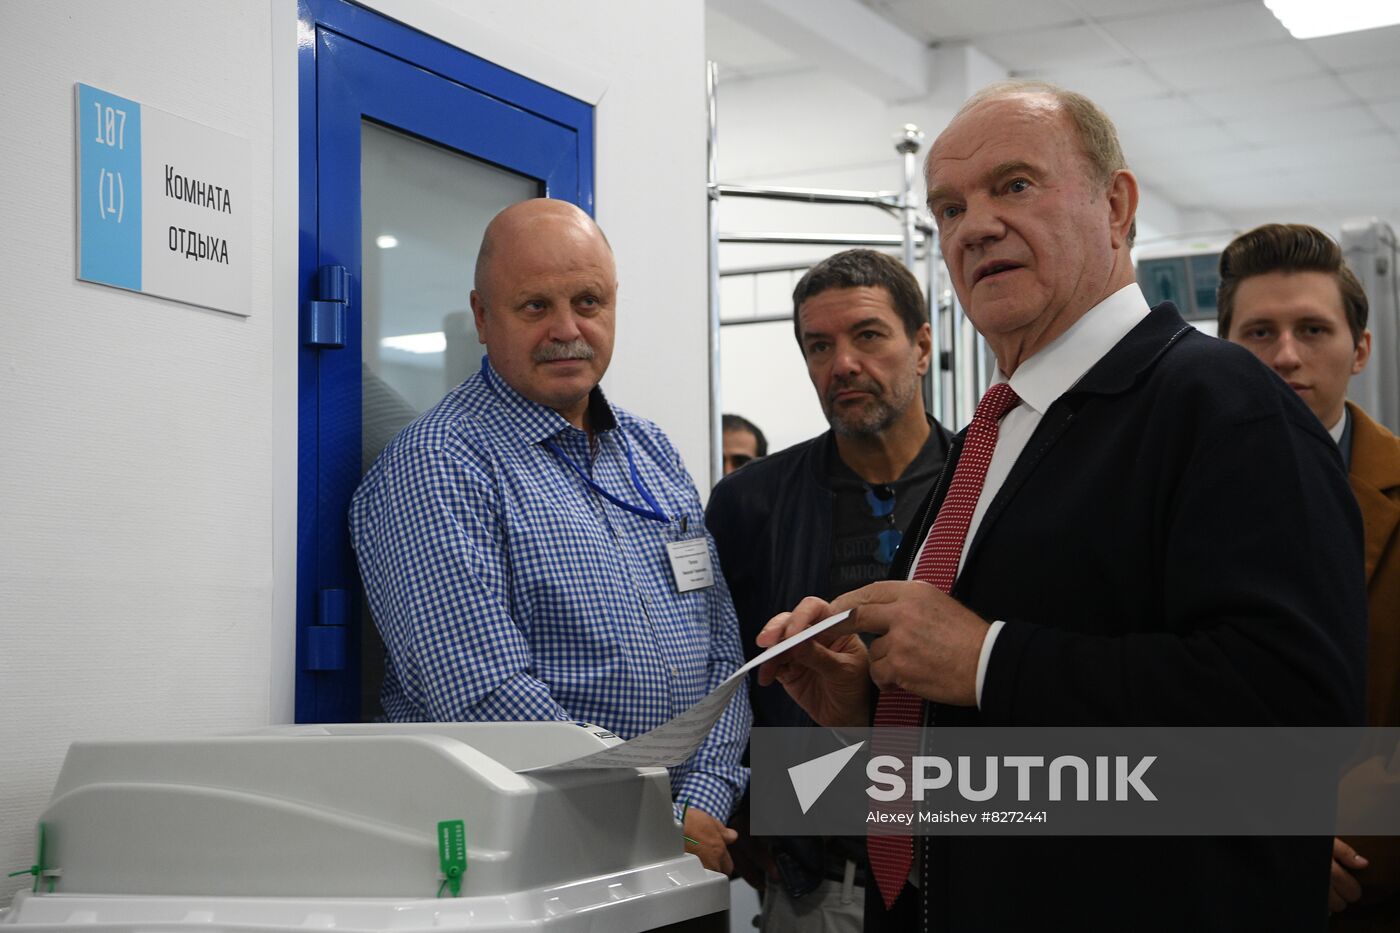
926, 642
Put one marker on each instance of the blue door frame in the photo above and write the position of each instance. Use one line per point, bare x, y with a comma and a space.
356, 65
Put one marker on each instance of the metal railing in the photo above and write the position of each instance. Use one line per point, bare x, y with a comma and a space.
959, 370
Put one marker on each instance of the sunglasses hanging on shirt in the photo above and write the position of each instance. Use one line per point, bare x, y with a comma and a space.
880, 500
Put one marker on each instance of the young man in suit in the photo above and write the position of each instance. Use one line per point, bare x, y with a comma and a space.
1141, 527
1288, 297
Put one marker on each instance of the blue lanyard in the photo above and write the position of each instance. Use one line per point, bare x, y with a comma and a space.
653, 512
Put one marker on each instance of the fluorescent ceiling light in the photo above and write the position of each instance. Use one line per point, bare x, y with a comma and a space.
1308, 19
386, 241
417, 343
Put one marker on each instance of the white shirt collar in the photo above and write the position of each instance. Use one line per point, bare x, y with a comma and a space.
1337, 429
1052, 370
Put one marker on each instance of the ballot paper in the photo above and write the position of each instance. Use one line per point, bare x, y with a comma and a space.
673, 742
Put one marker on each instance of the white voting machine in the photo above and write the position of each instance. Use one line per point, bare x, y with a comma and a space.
363, 827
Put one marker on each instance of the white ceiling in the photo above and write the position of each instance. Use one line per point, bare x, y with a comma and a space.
1218, 107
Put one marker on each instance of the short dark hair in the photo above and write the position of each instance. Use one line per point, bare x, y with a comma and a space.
858, 268
740, 423
1288, 248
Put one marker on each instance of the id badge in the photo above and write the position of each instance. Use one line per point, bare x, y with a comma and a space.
690, 564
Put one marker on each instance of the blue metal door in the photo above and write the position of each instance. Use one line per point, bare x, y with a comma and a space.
357, 69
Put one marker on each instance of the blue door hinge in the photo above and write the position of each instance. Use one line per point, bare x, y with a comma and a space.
327, 640
323, 318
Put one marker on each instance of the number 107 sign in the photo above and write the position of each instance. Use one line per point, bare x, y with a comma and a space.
164, 204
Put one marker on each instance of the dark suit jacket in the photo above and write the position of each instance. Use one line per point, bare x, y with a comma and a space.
1177, 545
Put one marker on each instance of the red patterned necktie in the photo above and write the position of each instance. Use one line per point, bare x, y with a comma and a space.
891, 856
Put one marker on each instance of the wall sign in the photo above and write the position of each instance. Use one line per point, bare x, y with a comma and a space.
163, 204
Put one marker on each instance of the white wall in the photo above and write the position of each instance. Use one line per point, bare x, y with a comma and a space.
138, 463
148, 448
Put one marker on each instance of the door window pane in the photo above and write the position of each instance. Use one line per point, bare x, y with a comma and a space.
423, 210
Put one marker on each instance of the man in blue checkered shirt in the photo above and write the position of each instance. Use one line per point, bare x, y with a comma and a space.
516, 539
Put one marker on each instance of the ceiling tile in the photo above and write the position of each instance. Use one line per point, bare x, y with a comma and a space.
1163, 115
1149, 162
1331, 122
1374, 83
1195, 139
1063, 47
1274, 99
1171, 167
1388, 111
1251, 164
1338, 187
1252, 64
1284, 193
1336, 156
944, 20
1371, 48
1110, 8
1320, 217
1181, 185
1372, 200
1116, 82
1189, 32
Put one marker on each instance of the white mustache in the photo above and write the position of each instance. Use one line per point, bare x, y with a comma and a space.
577, 349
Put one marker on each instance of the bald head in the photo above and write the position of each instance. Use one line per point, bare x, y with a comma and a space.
543, 217
546, 287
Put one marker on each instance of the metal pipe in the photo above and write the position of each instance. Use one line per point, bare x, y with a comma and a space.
712, 189
759, 319
884, 199
816, 239
955, 366
761, 270
907, 142
934, 381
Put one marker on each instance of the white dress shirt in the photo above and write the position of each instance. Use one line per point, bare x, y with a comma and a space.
1340, 428
1039, 381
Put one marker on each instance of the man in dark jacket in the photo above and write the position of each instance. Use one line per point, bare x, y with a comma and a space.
1141, 527
825, 516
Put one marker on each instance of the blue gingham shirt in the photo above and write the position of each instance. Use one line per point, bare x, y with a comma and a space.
505, 588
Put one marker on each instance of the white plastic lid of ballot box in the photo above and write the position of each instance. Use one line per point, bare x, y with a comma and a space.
336, 828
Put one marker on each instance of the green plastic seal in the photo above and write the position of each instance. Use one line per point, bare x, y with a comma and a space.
39, 870
452, 855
